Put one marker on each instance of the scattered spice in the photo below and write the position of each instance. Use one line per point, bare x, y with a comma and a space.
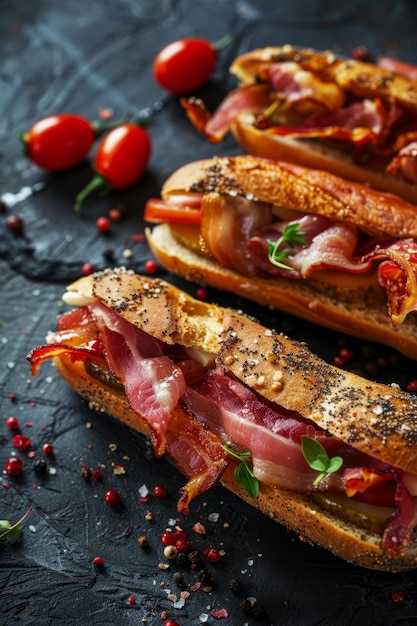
12, 423
112, 497
47, 448
15, 224
211, 555
98, 562
160, 491
143, 541
87, 269
202, 293
115, 214
170, 552
398, 597
103, 224
21, 442
14, 466
151, 266
131, 599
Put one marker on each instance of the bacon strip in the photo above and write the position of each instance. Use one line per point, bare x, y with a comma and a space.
152, 382
398, 275
398, 532
253, 99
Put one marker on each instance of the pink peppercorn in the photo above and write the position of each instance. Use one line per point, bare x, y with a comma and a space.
14, 466
160, 491
150, 266
21, 442
103, 224
202, 293
47, 448
98, 561
12, 423
112, 497
88, 269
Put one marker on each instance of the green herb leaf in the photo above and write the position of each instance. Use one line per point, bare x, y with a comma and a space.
317, 458
8, 531
246, 479
243, 472
293, 237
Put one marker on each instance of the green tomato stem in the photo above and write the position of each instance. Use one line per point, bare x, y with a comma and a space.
96, 184
100, 127
222, 43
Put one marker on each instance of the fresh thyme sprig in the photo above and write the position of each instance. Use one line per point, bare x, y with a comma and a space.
243, 472
318, 459
8, 530
292, 236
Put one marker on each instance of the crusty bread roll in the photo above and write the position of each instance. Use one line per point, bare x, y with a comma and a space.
351, 306
374, 418
356, 79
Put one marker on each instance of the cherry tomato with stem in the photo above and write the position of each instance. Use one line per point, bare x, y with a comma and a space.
59, 142
120, 161
186, 64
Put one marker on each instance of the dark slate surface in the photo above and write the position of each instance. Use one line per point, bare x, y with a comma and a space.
80, 57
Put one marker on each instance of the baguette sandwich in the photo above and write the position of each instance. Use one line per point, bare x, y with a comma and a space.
304, 241
232, 401
355, 119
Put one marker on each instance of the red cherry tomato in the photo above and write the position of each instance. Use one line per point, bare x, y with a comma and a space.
120, 160
186, 64
123, 155
59, 142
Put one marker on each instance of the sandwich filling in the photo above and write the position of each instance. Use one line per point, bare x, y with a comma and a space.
247, 236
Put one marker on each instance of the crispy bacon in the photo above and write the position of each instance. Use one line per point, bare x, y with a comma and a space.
359, 123
41, 354
227, 223
198, 453
253, 99
398, 275
152, 382
296, 85
405, 161
398, 532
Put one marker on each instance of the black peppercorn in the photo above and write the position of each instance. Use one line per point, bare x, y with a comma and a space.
39, 466
258, 610
178, 577
206, 576
245, 605
236, 586
194, 557
182, 559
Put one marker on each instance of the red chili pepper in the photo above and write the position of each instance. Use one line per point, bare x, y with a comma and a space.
59, 142
120, 160
186, 64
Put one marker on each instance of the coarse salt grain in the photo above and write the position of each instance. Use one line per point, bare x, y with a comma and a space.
213, 517
143, 491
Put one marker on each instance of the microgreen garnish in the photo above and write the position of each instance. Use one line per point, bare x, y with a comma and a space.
243, 472
292, 236
318, 459
8, 530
